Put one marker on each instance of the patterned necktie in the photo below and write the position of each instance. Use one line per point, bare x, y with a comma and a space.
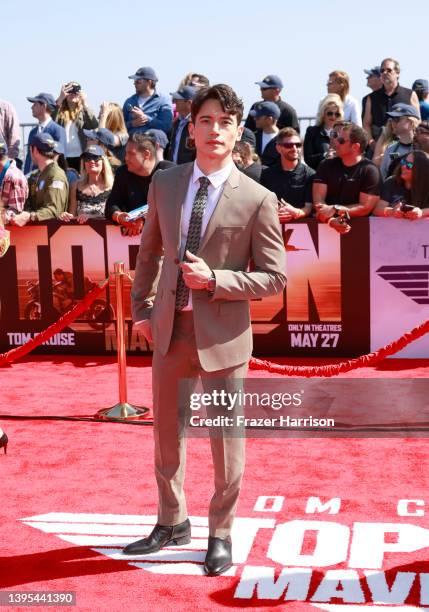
193, 238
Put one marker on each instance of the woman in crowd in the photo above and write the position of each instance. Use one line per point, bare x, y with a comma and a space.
75, 116
89, 194
385, 139
406, 193
339, 83
318, 137
112, 118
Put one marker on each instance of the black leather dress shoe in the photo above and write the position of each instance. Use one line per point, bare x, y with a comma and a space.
161, 536
218, 557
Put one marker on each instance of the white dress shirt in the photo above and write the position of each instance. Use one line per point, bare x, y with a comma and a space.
217, 181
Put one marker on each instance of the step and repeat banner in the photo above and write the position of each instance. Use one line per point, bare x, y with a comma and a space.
344, 297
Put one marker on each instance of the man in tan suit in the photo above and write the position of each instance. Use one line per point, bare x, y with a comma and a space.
206, 221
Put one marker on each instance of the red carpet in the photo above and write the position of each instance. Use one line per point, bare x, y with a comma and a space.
85, 489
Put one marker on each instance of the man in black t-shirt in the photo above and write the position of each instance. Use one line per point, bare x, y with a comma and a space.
348, 183
271, 87
289, 178
131, 184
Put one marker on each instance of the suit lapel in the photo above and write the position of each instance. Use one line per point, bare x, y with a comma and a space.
218, 215
181, 189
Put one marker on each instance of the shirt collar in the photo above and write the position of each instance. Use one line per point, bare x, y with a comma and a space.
217, 178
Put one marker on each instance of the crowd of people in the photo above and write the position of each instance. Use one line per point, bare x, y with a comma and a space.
356, 160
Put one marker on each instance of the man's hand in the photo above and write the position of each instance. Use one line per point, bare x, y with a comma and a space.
339, 226
324, 212
129, 228
287, 212
21, 219
139, 117
145, 328
195, 271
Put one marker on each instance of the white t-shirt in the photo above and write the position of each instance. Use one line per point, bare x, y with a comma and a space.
73, 146
266, 139
142, 100
352, 110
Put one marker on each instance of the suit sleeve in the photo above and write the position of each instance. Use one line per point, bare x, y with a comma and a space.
149, 261
268, 253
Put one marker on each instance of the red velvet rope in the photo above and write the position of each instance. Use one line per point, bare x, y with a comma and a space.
63, 321
345, 366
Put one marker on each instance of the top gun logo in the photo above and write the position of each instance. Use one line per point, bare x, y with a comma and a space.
326, 563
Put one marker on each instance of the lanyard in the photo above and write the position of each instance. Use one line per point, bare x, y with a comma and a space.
5, 169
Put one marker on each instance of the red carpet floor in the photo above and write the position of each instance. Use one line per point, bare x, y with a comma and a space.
73, 493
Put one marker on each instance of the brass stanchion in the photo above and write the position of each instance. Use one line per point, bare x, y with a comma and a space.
122, 410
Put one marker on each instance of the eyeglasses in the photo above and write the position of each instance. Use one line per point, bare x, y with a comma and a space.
290, 145
332, 114
388, 70
90, 158
406, 163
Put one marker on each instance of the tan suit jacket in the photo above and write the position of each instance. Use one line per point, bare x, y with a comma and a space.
244, 226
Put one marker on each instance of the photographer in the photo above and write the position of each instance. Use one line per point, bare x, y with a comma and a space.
74, 115
406, 193
404, 120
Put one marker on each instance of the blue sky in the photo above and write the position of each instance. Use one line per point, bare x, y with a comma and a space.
99, 43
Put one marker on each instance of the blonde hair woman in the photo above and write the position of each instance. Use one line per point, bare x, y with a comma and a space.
75, 116
112, 118
317, 137
89, 194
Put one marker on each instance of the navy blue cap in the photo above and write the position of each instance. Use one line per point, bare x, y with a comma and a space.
376, 71
144, 73
93, 151
421, 85
44, 142
403, 110
159, 136
184, 93
269, 82
44, 98
266, 109
248, 136
3, 146
102, 135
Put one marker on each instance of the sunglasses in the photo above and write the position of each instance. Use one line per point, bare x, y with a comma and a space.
406, 163
88, 158
338, 138
332, 114
290, 145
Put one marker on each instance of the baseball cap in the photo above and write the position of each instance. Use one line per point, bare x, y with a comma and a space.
187, 92
421, 85
44, 98
158, 136
3, 146
373, 71
249, 137
93, 152
270, 81
403, 110
266, 109
102, 135
144, 73
73, 87
45, 143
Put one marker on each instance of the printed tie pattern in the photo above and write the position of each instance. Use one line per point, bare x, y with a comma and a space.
193, 238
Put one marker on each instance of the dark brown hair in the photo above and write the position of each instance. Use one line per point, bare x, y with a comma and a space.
287, 132
143, 143
419, 178
226, 97
356, 134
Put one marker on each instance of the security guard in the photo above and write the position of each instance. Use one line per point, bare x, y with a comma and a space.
50, 191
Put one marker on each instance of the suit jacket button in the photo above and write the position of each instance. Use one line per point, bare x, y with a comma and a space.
173, 291
177, 260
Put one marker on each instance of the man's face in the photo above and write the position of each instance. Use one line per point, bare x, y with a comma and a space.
183, 107
289, 148
342, 144
270, 94
134, 158
373, 81
215, 131
262, 122
389, 76
38, 110
142, 86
